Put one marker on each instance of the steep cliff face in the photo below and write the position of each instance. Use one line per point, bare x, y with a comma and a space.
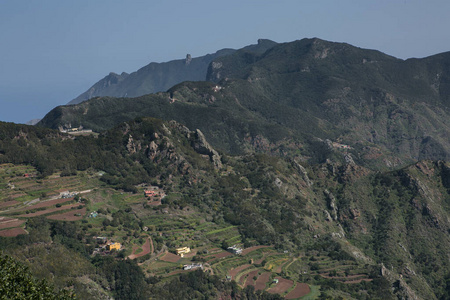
203, 147
97, 89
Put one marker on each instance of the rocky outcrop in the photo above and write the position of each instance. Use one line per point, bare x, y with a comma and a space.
354, 213
202, 146
152, 150
278, 182
188, 59
401, 288
214, 69
133, 146
349, 159
302, 171
108, 82
331, 201
183, 129
327, 215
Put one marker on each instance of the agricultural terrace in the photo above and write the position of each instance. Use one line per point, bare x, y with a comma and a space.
149, 231
23, 196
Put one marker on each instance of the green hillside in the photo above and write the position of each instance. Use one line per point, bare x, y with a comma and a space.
296, 93
310, 170
338, 228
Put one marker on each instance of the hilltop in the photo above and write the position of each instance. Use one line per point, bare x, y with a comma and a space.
158, 77
298, 93
308, 168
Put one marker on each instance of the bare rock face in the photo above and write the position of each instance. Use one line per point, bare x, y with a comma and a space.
133, 146
349, 159
303, 173
152, 150
331, 203
188, 59
215, 69
202, 146
278, 183
183, 129
401, 288
327, 215
354, 213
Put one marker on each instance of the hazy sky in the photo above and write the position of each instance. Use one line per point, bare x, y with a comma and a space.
52, 50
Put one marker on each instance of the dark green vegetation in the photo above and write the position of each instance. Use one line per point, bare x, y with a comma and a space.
159, 77
341, 224
393, 112
18, 283
329, 157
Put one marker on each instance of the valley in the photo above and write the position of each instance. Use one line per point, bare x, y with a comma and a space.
302, 170
157, 230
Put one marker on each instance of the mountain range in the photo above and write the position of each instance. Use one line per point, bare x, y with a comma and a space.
157, 77
328, 163
394, 110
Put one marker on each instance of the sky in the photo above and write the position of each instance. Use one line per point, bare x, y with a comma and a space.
51, 50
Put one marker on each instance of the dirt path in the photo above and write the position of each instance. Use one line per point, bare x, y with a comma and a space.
357, 281
327, 275
151, 243
45, 204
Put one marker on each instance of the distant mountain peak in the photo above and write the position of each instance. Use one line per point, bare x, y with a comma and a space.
159, 77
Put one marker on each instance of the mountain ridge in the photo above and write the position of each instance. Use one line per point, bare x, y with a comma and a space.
157, 77
296, 92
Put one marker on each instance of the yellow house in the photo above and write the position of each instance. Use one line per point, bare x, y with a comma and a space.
183, 250
115, 246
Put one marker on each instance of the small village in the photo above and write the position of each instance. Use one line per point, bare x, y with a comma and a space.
166, 241
75, 130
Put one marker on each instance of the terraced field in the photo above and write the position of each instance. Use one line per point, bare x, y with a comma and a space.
22, 198
234, 272
344, 271
146, 249
25, 196
49, 211
300, 290
11, 223
21, 184
282, 286
12, 232
263, 279
72, 215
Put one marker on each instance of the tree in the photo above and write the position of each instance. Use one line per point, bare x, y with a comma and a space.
225, 244
18, 283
